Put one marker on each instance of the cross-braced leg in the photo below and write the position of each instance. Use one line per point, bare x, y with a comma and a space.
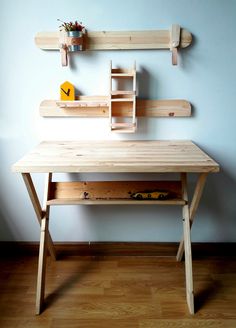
37, 208
193, 208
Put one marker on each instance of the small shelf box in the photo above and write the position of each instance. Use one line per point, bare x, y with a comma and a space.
126, 97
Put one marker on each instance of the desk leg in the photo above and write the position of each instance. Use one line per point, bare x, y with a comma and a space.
37, 208
43, 247
187, 247
42, 264
193, 208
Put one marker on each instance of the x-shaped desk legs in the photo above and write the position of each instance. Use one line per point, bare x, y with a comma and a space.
47, 243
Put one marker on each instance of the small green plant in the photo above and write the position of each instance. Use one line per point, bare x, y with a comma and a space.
71, 26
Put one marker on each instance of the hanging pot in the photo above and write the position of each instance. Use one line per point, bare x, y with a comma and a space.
75, 40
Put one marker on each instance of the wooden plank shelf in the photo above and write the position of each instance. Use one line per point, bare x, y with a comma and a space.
97, 106
112, 192
122, 92
121, 75
117, 40
120, 99
123, 127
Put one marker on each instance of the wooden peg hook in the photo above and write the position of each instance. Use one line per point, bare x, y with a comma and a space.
174, 42
64, 54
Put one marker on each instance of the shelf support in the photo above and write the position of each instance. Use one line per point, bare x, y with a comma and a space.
64, 54
175, 42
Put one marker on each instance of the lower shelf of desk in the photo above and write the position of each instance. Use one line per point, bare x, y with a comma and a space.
113, 193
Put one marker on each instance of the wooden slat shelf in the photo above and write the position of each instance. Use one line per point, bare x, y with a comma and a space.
120, 99
122, 92
123, 127
97, 106
121, 75
112, 192
115, 40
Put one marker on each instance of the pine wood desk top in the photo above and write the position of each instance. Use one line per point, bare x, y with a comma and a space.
116, 156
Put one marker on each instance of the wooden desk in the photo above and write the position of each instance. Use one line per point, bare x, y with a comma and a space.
115, 157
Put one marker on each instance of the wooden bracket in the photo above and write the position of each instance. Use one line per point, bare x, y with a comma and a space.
174, 42
64, 54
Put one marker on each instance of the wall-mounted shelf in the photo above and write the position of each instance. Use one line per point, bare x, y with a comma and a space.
98, 106
171, 39
122, 96
118, 40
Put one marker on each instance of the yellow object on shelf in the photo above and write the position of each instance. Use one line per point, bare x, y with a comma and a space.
67, 91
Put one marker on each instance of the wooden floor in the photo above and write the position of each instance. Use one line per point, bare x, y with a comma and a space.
115, 292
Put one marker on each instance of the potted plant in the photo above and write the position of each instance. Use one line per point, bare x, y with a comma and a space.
75, 33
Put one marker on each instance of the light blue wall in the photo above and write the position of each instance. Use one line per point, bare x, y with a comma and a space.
206, 77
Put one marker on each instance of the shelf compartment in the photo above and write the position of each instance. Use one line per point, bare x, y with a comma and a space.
127, 96
112, 192
122, 92
123, 127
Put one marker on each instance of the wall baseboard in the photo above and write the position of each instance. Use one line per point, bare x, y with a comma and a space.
118, 249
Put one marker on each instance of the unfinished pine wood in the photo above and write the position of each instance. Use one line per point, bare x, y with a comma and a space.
117, 96
187, 247
193, 208
37, 208
97, 106
112, 192
42, 265
174, 43
43, 247
116, 156
116, 40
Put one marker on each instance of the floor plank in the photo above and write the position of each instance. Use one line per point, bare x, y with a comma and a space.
111, 291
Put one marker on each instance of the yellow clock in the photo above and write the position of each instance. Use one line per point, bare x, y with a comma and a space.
67, 91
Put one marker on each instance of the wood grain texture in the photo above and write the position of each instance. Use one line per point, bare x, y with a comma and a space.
98, 106
95, 292
187, 247
118, 97
112, 192
37, 208
44, 235
193, 208
116, 40
116, 156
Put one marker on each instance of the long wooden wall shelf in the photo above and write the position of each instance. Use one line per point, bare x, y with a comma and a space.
97, 106
113, 192
118, 40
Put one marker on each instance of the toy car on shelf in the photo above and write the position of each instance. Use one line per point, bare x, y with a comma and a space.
151, 195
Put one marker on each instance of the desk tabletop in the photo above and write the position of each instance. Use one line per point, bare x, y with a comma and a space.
116, 156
